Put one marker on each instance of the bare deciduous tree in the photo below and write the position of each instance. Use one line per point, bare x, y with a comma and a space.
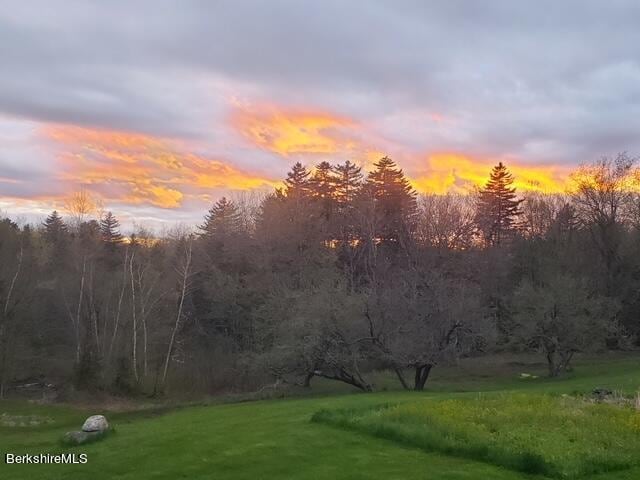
8, 305
446, 221
561, 318
420, 320
603, 194
184, 270
80, 205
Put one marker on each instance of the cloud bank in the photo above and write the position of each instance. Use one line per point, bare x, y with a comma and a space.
160, 106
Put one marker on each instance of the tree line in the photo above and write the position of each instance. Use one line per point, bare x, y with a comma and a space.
337, 274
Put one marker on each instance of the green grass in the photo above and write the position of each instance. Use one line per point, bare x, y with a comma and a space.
275, 439
557, 436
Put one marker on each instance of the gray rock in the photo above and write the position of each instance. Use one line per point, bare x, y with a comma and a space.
80, 437
95, 423
601, 394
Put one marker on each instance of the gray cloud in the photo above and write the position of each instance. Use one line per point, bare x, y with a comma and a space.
546, 81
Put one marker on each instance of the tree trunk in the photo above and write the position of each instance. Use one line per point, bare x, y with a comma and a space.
146, 306
4, 326
4, 358
135, 322
307, 380
94, 312
556, 367
117, 318
421, 376
143, 314
185, 273
79, 309
341, 375
551, 364
403, 381
566, 360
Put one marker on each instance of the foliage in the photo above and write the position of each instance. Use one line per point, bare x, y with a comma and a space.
562, 437
222, 221
561, 318
498, 207
110, 229
336, 275
394, 201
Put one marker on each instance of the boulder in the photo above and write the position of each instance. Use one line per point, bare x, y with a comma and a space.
601, 394
95, 423
80, 437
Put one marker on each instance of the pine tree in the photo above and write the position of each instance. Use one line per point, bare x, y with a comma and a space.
348, 181
110, 229
54, 228
348, 184
222, 220
90, 233
298, 184
322, 182
322, 186
395, 199
498, 207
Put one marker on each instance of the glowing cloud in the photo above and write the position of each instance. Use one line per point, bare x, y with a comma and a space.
139, 169
448, 172
10, 180
308, 132
287, 132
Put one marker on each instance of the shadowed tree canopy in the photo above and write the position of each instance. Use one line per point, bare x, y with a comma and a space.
110, 229
323, 185
348, 180
54, 228
297, 183
222, 220
498, 207
604, 194
283, 289
56, 235
561, 317
395, 199
89, 233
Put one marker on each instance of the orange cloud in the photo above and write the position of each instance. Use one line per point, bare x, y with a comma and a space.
141, 169
9, 180
286, 131
449, 172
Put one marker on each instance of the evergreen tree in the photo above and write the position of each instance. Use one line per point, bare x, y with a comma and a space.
322, 182
498, 207
54, 228
322, 185
298, 184
564, 224
395, 200
89, 235
348, 180
348, 183
110, 229
221, 221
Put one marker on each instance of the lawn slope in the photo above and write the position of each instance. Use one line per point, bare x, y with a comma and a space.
559, 436
276, 439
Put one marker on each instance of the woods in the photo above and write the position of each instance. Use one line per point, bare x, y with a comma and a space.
337, 274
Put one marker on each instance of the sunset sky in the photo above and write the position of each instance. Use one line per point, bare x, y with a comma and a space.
159, 107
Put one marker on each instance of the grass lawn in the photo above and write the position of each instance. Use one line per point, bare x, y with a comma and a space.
276, 438
556, 436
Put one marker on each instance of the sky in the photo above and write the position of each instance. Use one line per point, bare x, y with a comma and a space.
158, 108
